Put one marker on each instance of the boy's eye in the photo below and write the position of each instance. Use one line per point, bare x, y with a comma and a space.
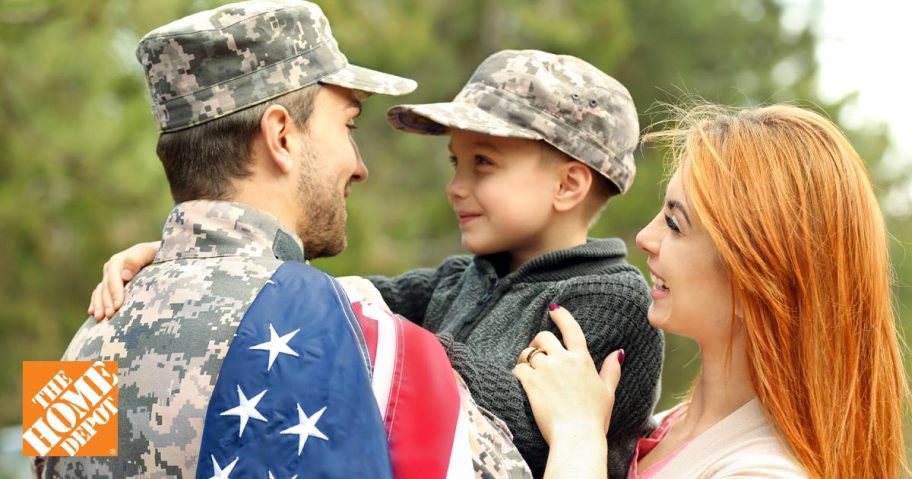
672, 224
480, 160
453, 160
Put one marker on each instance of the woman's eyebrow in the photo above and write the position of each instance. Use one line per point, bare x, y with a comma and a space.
677, 205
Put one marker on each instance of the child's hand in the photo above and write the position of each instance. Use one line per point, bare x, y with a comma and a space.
569, 397
117, 271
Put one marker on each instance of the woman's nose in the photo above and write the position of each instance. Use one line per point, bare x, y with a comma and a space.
647, 239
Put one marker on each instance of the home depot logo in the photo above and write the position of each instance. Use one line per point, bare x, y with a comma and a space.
69, 408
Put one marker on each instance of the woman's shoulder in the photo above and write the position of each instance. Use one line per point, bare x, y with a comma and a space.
741, 445
756, 451
762, 455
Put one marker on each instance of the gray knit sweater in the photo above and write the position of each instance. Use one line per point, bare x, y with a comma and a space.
485, 317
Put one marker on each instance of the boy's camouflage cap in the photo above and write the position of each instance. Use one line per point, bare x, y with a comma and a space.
219, 61
530, 94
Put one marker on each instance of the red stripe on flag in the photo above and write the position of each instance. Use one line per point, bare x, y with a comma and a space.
424, 405
424, 402
369, 328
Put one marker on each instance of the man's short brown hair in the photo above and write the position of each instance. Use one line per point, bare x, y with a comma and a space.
200, 162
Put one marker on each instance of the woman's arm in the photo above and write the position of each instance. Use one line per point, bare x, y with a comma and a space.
580, 454
570, 399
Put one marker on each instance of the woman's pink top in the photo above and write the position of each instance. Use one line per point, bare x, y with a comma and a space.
647, 444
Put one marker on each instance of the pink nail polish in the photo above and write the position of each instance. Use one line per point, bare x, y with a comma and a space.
620, 356
553, 306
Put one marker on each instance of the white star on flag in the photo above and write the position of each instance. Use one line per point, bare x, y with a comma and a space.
222, 473
276, 345
246, 409
273, 477
307, 426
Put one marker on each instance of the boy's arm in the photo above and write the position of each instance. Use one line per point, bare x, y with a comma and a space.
612, 318
410, 293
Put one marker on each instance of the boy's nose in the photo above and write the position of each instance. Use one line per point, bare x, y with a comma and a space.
456, 188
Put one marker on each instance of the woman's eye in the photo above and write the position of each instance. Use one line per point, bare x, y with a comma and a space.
672, 225
352, 126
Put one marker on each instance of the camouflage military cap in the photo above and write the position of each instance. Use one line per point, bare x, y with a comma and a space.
529, 94
217, 62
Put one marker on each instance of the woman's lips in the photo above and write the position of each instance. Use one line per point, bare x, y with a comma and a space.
660, 290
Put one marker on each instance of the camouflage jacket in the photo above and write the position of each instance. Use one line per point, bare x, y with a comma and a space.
174, 330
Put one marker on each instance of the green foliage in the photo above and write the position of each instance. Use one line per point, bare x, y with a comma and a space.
79, 178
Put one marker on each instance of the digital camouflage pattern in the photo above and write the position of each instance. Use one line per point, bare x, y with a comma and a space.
535, 95
219, 61
173, 332
493, 454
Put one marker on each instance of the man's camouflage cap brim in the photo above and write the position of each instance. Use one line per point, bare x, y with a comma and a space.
530, 94
220, 61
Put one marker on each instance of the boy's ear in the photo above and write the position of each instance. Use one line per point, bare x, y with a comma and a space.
575, 182
278, 138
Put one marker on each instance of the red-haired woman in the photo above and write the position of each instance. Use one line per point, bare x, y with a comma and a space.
771, 253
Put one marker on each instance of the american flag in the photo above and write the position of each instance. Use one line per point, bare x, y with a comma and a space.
319, 384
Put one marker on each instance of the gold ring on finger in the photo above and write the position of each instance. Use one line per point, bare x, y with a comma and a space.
532, 354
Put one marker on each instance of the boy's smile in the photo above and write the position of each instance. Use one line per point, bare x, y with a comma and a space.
465, 217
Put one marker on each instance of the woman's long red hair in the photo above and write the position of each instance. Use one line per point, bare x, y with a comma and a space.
790, 205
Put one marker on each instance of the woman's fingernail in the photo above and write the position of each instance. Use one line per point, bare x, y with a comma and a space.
620, 356
553, 306
126, 275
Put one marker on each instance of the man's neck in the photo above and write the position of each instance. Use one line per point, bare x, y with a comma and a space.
265, 199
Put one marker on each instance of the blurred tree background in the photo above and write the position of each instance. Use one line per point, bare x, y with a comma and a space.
79, 179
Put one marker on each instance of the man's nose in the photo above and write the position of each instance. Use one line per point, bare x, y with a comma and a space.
360, 173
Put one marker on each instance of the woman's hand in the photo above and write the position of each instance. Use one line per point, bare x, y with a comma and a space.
571, 401
568, 396
117, 271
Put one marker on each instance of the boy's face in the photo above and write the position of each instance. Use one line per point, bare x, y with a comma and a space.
501, 192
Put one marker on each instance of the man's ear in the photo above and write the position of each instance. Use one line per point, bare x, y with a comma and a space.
575, 182
277, 134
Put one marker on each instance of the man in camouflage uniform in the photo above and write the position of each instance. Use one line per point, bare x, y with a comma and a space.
254, 102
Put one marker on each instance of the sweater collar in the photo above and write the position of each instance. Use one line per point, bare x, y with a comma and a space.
209, 229
588, 258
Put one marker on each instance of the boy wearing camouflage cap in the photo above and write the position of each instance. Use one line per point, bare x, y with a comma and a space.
539, 142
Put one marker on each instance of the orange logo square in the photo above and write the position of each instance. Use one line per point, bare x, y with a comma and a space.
69, 408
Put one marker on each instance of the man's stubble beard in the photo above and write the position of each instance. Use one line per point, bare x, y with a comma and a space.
321, 225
